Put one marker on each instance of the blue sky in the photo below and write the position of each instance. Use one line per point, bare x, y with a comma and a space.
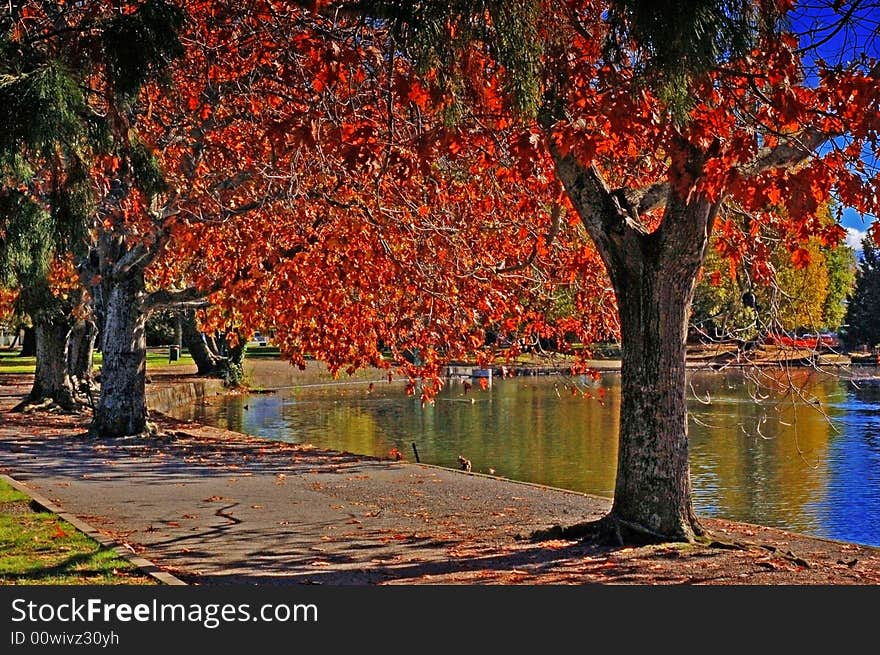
816, 21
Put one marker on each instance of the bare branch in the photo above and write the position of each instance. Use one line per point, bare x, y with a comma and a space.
138, 255
555, 215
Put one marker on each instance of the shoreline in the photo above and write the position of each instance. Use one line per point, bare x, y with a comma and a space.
350, 519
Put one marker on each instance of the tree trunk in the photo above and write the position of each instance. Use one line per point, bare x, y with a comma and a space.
653, 274
82, 353
51, 379
205, 360
122, 408
29, 343
232, 369
652, 496
178, 329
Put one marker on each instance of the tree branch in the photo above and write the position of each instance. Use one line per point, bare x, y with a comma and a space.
129, 260
607, 216
789, 154
649, 198
192, 297
555, 215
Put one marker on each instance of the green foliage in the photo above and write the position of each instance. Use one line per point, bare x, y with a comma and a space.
668, 42
798, 295
841, 266
673, 41
25, 238
161, 328
72, 207
718, 309
41, 102
61, 100
140, 45
863, 311
145, 169
809, 298
507, 30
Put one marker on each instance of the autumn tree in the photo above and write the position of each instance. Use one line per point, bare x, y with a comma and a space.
372, 223
110, 86
770, 288
841, 264
648, 174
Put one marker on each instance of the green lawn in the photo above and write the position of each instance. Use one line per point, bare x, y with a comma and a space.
11, 362
37, 547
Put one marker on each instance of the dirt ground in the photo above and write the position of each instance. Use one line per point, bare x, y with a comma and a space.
467, 535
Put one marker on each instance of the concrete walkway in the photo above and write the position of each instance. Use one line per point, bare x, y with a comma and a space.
213, 506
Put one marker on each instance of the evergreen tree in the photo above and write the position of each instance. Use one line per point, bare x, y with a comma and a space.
69, 76
863, 312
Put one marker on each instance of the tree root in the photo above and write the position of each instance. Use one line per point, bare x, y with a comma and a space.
151, 432
49, 405
610, 530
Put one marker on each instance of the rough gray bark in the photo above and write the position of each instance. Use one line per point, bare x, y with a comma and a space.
653, 275
122, 408
125, 305
652, 497
81, 353
52, 384
232, 369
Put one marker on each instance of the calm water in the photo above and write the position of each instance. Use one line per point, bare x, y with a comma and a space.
806, 459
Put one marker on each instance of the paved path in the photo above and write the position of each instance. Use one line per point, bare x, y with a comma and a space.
266, 512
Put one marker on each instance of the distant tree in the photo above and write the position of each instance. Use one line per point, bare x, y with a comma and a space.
773, 284
841, 264
863, 312
800, 289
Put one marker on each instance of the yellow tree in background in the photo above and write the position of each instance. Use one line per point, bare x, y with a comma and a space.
772, 286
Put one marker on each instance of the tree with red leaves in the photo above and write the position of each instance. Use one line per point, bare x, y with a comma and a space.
653, 162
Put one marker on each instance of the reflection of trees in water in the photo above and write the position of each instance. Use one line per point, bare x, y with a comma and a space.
521, 428
867, 392
767, 447
852, 504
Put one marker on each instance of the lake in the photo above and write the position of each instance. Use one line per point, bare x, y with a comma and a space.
798, 450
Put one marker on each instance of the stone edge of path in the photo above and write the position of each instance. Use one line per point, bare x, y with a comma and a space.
144, 565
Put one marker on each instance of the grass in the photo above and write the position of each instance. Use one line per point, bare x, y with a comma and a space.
36, 547
12, 362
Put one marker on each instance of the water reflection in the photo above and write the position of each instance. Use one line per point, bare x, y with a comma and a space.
798, 451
